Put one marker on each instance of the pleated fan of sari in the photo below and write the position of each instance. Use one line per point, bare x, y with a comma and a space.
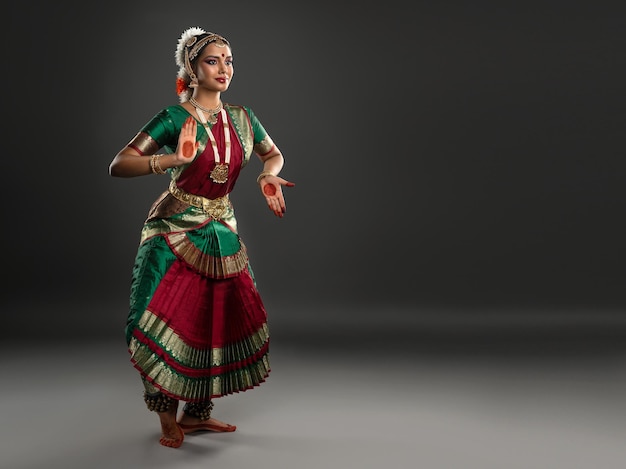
211, 335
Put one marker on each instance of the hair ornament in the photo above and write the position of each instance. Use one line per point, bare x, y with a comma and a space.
188, 35
181, 85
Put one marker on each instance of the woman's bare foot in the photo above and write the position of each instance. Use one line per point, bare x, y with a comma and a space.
191, 424
171, 434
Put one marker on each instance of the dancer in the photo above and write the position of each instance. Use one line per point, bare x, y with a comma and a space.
197, 327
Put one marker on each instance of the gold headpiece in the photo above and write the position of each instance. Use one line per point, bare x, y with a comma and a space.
193, 45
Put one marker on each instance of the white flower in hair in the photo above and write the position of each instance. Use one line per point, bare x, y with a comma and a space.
184, 37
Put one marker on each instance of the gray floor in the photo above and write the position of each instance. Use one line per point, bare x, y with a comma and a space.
451, 397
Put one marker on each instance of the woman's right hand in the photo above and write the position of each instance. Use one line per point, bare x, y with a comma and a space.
187, 145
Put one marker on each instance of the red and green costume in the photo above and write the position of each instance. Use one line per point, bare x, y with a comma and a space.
197, 327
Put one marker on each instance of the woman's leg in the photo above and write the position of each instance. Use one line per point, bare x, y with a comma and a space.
197, 417
166, 407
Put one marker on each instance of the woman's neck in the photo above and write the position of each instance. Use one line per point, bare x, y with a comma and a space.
209, 100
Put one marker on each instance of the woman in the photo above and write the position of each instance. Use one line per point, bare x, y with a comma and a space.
197, 327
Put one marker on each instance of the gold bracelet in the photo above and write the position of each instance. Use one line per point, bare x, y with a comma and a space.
152, 167
155, 165
262, 175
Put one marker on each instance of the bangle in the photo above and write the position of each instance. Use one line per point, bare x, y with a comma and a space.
262, 175
155, 165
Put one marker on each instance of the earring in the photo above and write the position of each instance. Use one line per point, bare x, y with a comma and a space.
194, 81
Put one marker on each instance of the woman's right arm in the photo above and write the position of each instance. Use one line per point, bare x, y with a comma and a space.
130, 163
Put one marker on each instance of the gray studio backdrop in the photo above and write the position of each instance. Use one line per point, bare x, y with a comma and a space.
461, 156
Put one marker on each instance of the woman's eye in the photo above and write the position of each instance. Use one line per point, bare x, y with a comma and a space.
211, 61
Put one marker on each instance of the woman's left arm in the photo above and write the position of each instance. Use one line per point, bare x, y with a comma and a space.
270, 183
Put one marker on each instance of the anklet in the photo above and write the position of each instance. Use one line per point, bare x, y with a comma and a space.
158, 402
201, 410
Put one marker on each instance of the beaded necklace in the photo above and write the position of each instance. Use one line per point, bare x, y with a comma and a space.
219, 174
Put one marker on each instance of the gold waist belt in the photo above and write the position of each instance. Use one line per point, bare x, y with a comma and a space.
216, 208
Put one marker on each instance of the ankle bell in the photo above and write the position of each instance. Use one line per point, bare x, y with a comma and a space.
158, 402
201, 410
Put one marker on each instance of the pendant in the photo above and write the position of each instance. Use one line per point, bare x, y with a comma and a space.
212, 119
220, 173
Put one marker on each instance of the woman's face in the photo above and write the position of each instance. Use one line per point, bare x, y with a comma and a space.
215, 67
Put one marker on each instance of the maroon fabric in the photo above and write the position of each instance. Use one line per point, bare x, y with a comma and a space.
207, 312
196, 180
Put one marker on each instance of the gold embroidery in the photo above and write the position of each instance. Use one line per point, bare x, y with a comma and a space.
211, 266
244, 132
196, 388
144, 144
193, 357
264, 146
216, 208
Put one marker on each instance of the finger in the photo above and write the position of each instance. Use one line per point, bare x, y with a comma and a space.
281, 204
188, 123
280, 208
274, 206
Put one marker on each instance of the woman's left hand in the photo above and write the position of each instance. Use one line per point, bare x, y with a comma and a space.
271, 187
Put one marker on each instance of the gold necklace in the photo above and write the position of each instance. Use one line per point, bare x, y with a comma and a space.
219, 174
211, 112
